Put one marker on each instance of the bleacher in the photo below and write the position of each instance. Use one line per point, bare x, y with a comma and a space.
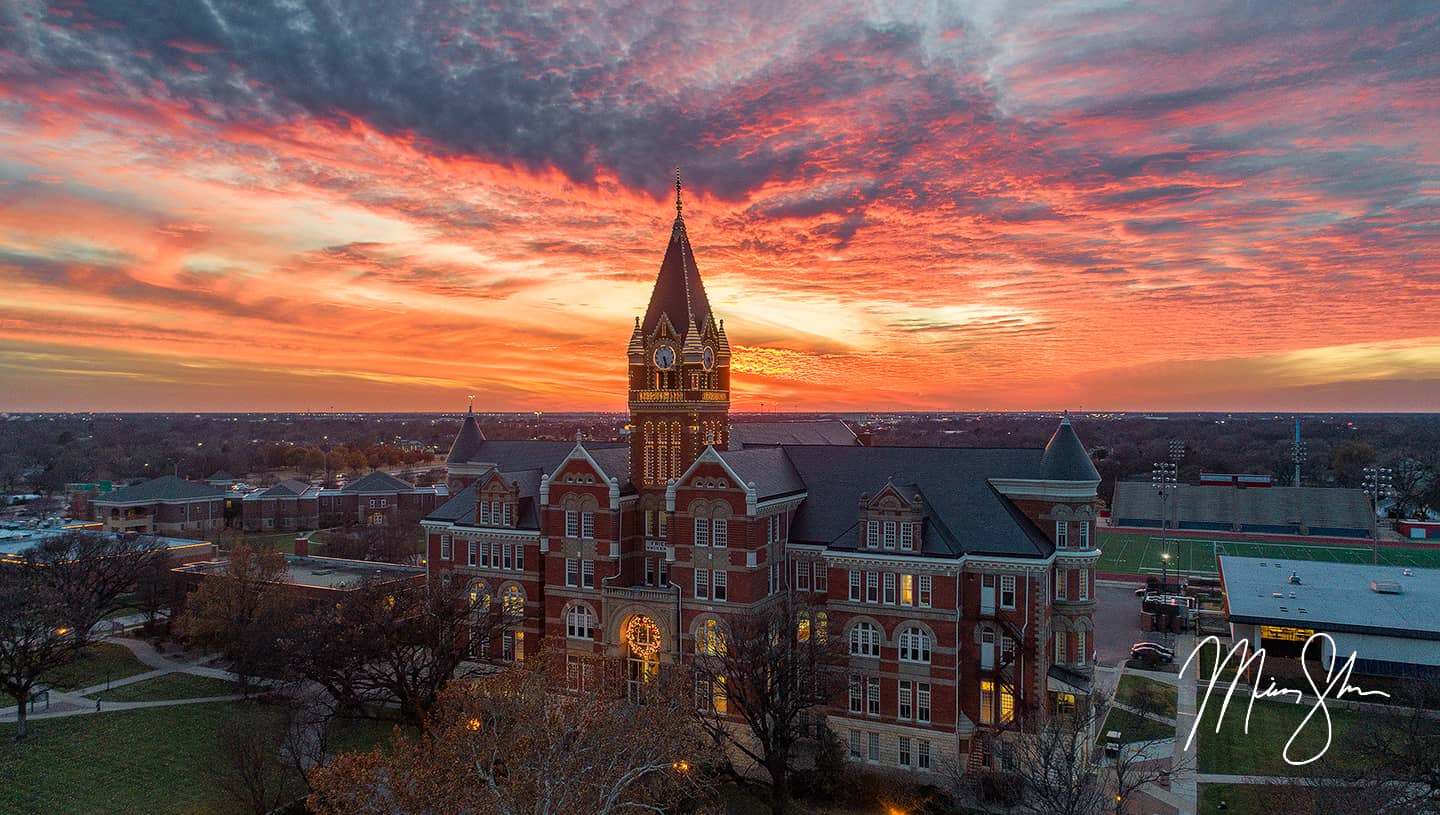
1317, 511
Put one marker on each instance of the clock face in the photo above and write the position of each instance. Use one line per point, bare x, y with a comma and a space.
664, 357
709, 358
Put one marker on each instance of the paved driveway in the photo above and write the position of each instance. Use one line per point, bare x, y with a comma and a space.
1119, 623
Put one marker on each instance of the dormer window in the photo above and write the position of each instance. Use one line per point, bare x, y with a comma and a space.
890, 535
872, 539
907, 537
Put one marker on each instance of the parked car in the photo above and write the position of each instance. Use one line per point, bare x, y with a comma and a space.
1151, 652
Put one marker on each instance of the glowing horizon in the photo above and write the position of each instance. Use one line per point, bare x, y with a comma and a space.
248, 207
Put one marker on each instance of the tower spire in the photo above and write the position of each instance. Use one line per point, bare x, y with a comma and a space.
678, 204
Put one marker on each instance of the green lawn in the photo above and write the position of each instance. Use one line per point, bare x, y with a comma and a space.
93, 666
1239, 799
1194, 552
1130, 685
1258, 752
156, 761
1133, 728
170, 686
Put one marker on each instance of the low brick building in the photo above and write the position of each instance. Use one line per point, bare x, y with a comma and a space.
167, 505
375, 499
313, 579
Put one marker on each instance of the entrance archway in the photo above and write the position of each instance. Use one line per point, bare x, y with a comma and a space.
643, 641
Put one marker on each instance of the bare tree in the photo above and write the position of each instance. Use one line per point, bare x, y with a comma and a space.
91, 575
760, 682
399, 643
514, 742
250, 771
33, 640
243, 613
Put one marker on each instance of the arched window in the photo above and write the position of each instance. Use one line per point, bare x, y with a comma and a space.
710, 638
915, 644
513, 602
580, 623
816, 624
479, 596
864, 640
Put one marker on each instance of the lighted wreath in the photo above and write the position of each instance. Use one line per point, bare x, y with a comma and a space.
643, 636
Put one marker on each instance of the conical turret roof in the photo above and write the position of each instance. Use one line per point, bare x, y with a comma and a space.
1065, 458
467, 441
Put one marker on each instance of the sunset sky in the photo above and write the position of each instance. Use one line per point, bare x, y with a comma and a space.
266, 205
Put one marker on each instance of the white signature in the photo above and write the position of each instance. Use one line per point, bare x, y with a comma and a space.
1333, 678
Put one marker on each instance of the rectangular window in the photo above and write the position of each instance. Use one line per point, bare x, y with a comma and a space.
470, 555
1084, 534
802, 576
889, 534
926, 583
872, 535
494, 555
650, 571
923, 755
587, 525
1007, 591
903, 709
904, 752
987, 594
856, 746
822, 578
720, 532
857, 693
572, 572
1059, 646
447, 549
664, 573
702, 531
1007, 705
509, 556
1084, 584
587, 574
1061, 578
889, 589
1007, 649
1062, 535
872, 696
505, 515
907, 537
702, 584
721, 585
664, 520
572, 523
922, 702
872, 753
907, 589
987, 701
650, 523
854, 586
494, 512
1080, 647
872, 587
484, 512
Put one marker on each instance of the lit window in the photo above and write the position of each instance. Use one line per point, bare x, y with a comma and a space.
1007, 705
710, 639
987, 701
514, 602
907, 589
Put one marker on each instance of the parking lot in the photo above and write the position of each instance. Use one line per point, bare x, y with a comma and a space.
1118, 622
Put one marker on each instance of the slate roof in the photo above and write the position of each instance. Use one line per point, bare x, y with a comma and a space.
964, 513
467, 441
825, 431
678, 292
768, 467
615, 461
460, 509
1065, 458
523, 454
378, 481
164, 488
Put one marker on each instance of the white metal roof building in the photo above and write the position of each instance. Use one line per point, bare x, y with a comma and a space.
1389, 616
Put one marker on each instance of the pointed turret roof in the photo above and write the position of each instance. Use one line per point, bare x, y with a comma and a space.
679, 294
1065, 458
467, 441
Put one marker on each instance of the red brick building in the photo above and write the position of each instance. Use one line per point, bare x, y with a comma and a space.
961, 580
377, 498
167, 505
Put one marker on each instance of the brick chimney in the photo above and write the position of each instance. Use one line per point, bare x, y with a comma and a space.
302, 546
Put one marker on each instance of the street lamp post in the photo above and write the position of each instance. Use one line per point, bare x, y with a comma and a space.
1164, 572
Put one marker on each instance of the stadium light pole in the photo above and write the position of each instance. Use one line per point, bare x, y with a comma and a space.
1163, 477
1164, 572
1378, 482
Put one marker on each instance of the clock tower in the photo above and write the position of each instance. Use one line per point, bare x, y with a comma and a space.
679, 370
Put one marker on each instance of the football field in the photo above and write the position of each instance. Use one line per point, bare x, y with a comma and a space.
1131, 553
